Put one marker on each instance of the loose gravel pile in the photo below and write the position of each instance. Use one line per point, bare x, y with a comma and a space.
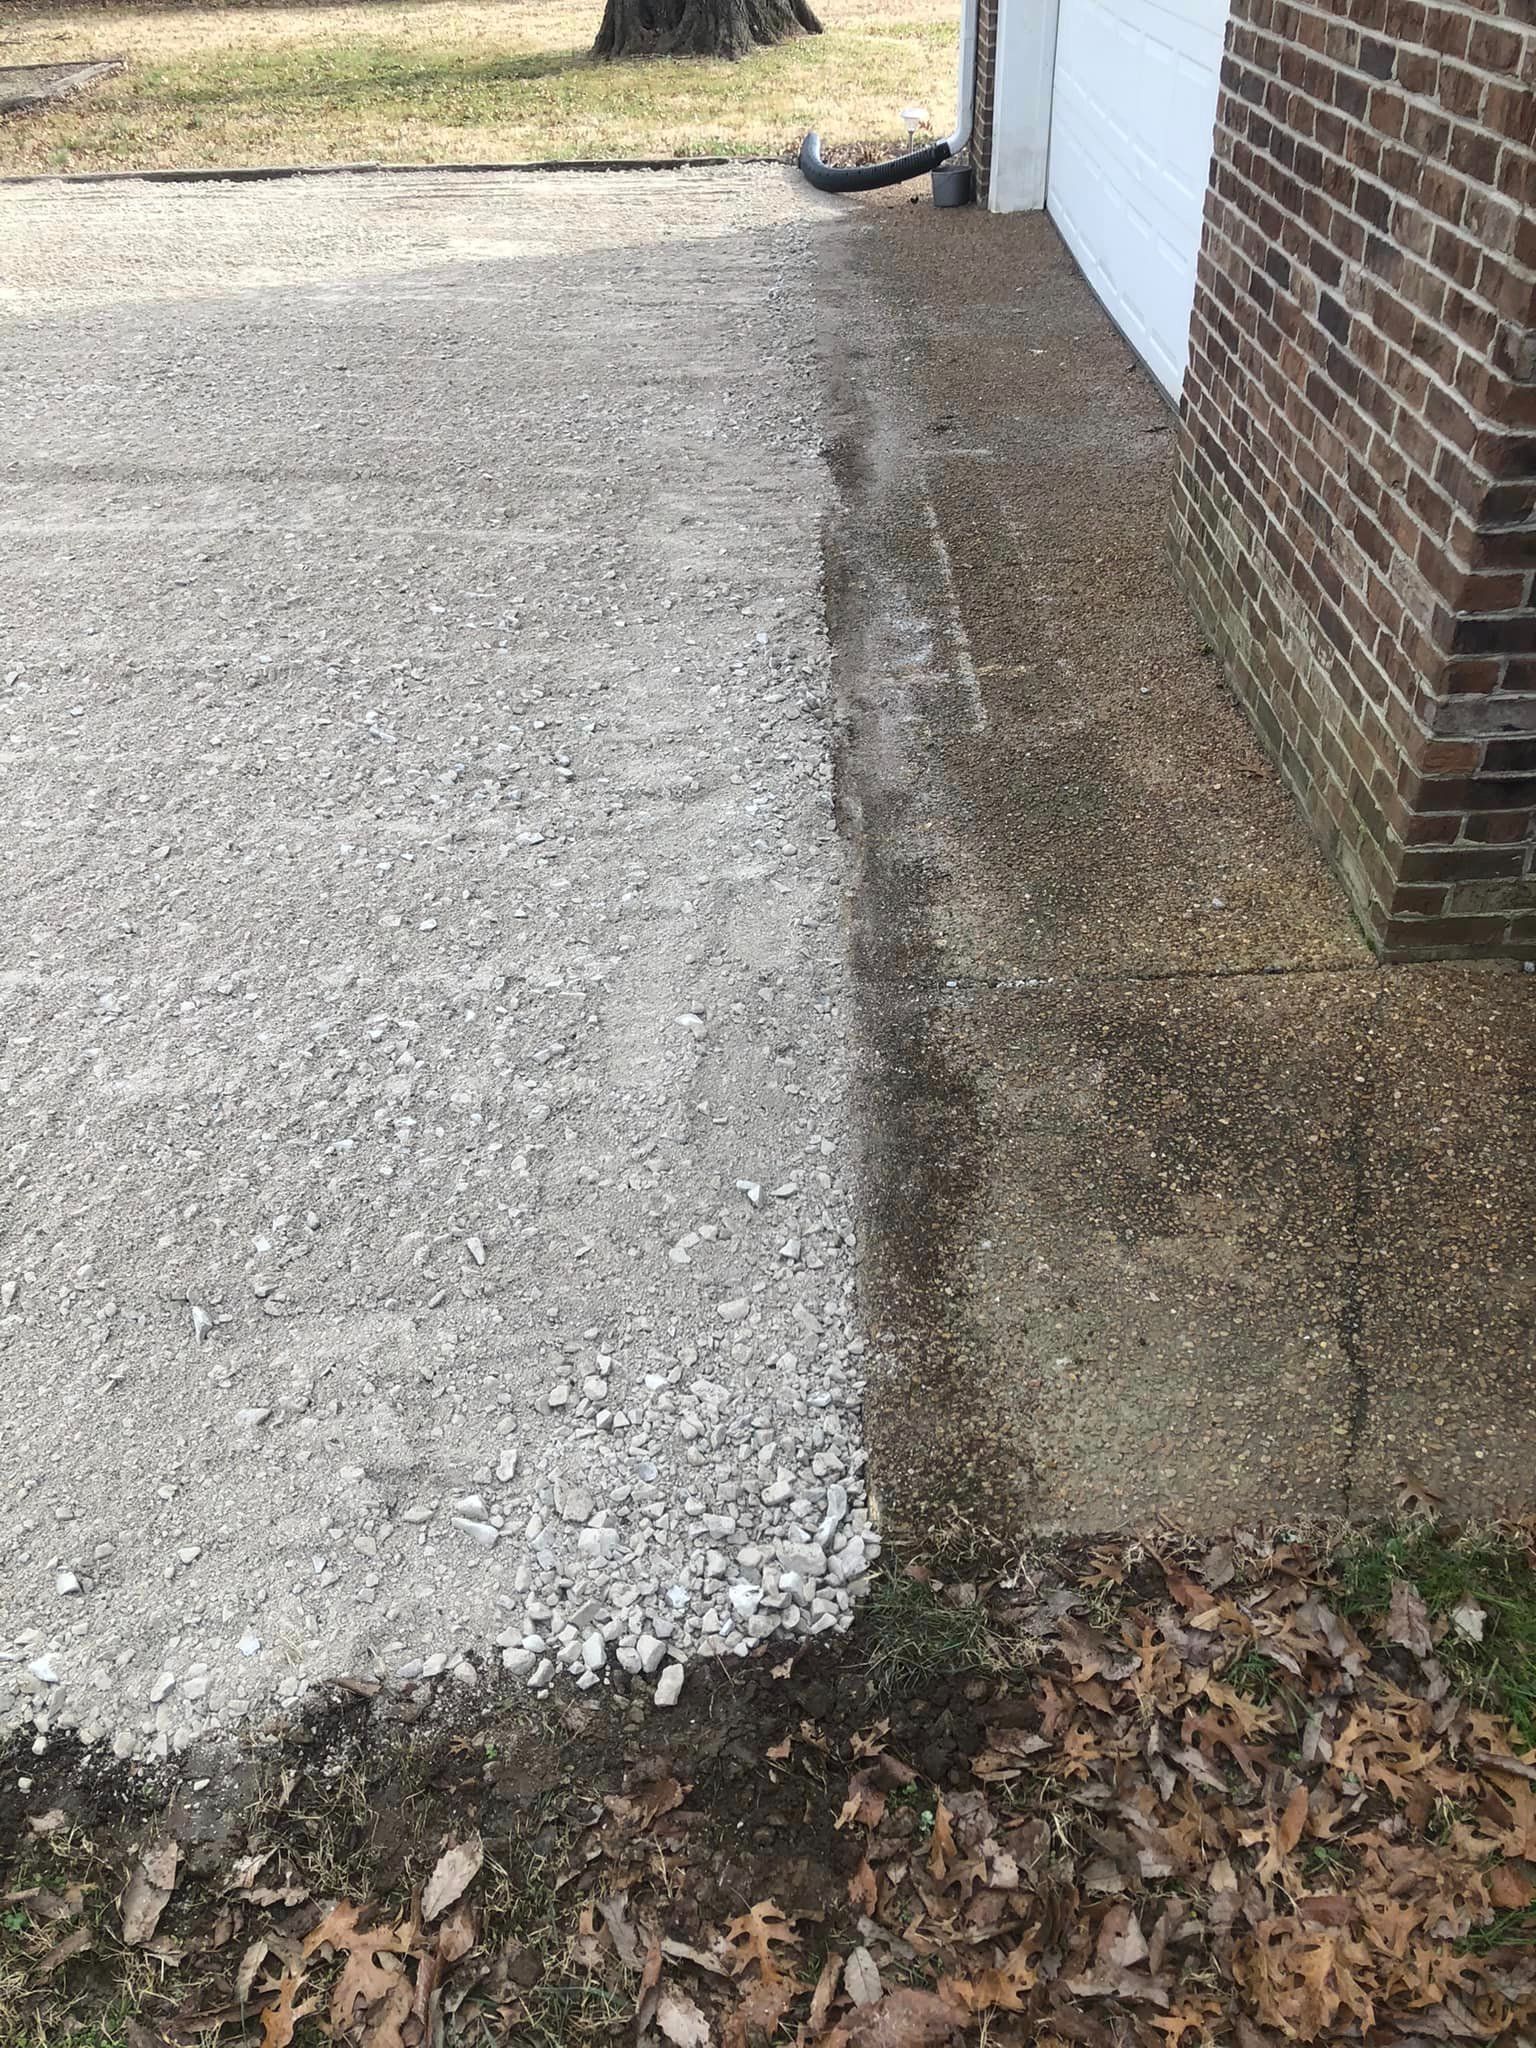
426, 1236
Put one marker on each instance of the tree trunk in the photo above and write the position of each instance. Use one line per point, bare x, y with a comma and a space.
699, 28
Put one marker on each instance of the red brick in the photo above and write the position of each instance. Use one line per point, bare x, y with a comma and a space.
1363, 316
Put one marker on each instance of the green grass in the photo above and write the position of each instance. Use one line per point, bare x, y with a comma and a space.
918, 1635
1255, 1676
401, 81
1498, 1673
1505, 1930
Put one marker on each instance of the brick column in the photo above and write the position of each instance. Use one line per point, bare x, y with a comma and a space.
1355, 507
984, 98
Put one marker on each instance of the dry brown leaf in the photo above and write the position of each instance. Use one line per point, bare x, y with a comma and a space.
865, 1804
1092, 1654
456, 1934
280, 2020
1512, 1886
906, 2019
753, 1934
780, 1750
374, 1960
647, 1998
826, 1991
457, 1869
1285, 1834
681, 2020
148, 1892
642, 1804
250, 1963
1002, 1989
46, 1905
864, 1887
48, 1823
137, 2035
245, 1870
386, 2020
941, 1850
685, 1952
74, 1943
861, 1978
760, 2011
870, 1742
614, 1909
1408, 1619
1469, 1620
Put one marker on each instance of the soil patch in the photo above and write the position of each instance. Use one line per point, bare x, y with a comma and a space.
25, 86
1240, 1795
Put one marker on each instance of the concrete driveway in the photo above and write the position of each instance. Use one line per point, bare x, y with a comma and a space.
427, 1229
1178, 1207
567, 741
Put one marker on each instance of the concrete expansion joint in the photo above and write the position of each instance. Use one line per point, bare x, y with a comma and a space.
1008, 984
1357, 1227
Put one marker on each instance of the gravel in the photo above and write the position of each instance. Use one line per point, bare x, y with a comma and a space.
426, 1205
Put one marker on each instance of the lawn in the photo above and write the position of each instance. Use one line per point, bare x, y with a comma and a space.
443, 81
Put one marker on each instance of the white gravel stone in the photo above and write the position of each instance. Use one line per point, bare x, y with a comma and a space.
669, 1687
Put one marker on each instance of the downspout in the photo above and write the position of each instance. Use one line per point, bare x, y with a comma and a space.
869, 177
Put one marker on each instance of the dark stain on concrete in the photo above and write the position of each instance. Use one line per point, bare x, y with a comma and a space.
916, 1116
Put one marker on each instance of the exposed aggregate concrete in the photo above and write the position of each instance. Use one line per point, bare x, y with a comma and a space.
427, 1232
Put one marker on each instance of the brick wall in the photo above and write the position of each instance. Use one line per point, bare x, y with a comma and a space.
1355, 508
984, 96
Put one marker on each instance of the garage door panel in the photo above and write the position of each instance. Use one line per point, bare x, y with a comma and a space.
1133, 110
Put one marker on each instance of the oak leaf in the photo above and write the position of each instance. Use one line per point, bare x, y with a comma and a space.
375, 1960
752, 1934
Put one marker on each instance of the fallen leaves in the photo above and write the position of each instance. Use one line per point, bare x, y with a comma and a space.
902, 2019
1215, 1810
752, 1936
1408, 1620
75, 1943
279, 2021
869, 1789
457, 1868
681, 2020
148, 1892
861, 1977
374, 1966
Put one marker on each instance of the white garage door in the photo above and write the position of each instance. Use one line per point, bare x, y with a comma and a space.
1131, 119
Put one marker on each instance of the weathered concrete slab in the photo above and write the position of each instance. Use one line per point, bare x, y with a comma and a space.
1099, 802
1179, 1205
424, 916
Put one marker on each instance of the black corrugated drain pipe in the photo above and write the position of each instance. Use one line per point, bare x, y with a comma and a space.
870, 177
867, 177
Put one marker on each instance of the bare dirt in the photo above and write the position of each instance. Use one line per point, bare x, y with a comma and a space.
1127, 1796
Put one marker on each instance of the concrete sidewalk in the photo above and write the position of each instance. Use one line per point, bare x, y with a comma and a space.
1177, 1204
